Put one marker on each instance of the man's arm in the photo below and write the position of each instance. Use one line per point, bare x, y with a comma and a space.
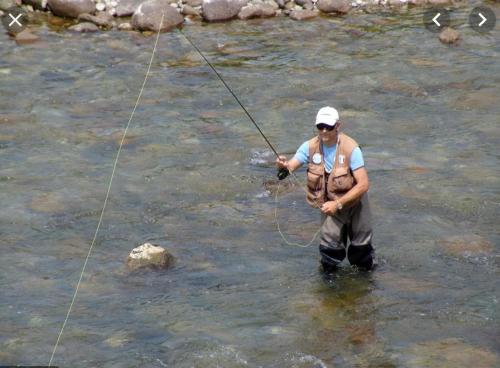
291, 165
361, 187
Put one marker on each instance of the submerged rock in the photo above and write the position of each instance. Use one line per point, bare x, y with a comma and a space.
485, 98
450, 353
303, 14
449, 36
71, 8
149, 256
47, 202
118, 340
102, 19
466, 245
125, 26
148, 16
25, 37
84, 27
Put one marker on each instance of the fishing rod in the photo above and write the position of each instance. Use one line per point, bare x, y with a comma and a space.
282, 172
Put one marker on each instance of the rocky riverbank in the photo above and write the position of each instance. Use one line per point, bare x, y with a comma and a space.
146, 15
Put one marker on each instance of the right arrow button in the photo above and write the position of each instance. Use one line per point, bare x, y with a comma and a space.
482, 19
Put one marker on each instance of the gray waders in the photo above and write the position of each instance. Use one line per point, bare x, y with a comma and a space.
353, 223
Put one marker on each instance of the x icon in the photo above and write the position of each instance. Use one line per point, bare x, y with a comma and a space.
15, 20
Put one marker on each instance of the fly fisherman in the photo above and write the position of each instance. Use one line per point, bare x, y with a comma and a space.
337, 184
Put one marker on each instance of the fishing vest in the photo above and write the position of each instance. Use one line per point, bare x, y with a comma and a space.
339, 181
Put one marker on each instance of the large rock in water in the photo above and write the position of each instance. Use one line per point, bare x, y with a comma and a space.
303, 14
334, 6
149, 255
449, 36
219, 10
148, 15
6, 4
257, 11
127, 7
71, 8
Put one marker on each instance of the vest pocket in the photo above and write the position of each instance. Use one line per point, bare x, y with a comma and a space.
315, 187
341, 180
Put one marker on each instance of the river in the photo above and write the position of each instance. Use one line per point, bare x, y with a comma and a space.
191, 177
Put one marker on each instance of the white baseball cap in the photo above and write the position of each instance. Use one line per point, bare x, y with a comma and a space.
327, 115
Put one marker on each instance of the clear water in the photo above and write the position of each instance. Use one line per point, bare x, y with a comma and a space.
191, 178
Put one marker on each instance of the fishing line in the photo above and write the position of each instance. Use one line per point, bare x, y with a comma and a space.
106, 197
284, 175
230, 91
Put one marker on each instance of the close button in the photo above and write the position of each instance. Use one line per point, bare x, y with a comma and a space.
15, 20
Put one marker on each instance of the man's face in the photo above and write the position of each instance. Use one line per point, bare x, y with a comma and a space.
327, 134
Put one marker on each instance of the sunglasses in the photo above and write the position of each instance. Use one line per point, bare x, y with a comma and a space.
325, 126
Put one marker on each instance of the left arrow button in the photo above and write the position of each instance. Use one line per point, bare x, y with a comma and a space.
435, 20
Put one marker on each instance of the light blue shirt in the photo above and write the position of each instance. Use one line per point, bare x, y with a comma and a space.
329, 152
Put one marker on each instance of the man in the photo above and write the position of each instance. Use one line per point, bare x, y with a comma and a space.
337, 183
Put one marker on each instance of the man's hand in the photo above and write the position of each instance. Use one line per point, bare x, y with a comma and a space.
282, 162
329, 208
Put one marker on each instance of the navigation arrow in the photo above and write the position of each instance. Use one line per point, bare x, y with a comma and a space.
435, 19
483, 19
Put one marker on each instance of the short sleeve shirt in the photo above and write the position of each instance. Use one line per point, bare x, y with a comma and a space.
357, 161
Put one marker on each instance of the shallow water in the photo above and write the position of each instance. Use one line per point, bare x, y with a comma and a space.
191, 178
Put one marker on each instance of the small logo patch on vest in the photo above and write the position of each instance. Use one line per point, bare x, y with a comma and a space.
341, 159
317, 158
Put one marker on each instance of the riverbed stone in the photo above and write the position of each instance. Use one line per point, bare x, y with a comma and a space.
26, 37
449, 36
84, 27
125, 26
149, 256
126, 8
396, 85
482, 99
118, 340
449, 353
148, 16
71, 8
189, 10
220, 10
306, 4
194, 3
466, 245
401, 283
257, 11
334, 6
102, 19
36, 4
47, 202
439, 2
303, 14
6, 4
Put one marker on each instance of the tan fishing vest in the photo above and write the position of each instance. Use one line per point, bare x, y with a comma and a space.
339, 181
